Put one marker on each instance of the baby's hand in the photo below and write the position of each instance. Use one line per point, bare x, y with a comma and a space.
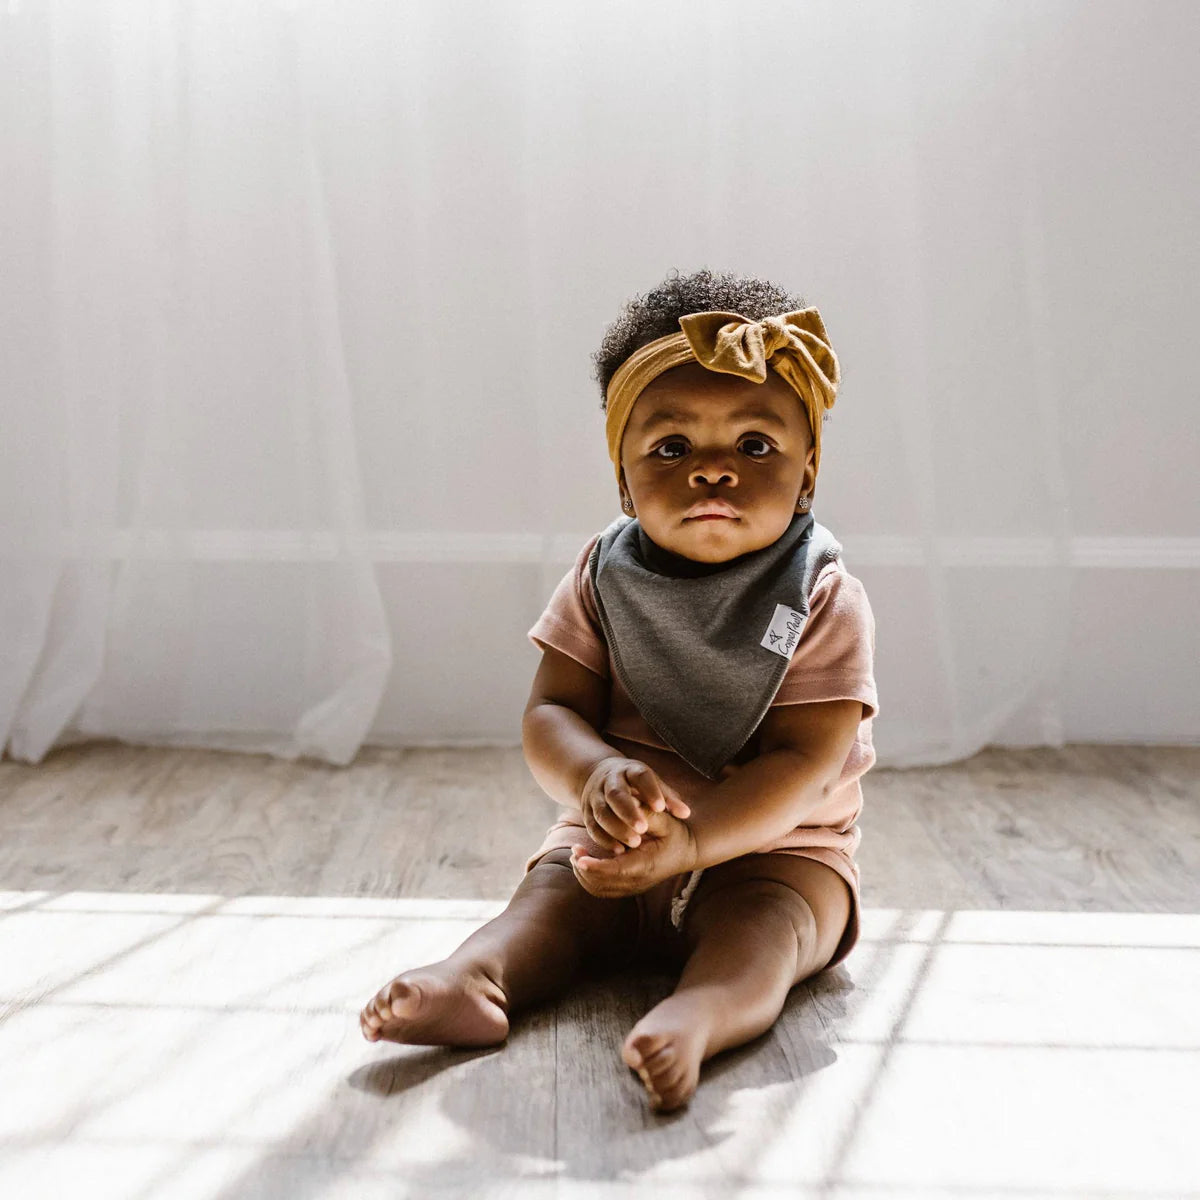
618, 798
668, 848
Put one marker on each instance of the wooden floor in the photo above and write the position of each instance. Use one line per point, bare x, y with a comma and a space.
186, 938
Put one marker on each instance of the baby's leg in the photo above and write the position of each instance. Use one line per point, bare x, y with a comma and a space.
551, 931
754, 927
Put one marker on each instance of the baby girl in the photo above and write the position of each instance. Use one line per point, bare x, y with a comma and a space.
703, 707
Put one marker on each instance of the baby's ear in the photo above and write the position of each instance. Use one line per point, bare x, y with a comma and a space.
809, 482
623, 493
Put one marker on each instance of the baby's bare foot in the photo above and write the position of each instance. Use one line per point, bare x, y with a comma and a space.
438, 1005
666, 1048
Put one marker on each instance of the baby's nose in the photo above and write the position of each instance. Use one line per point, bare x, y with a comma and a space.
714, 467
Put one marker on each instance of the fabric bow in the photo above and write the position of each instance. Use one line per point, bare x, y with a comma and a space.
728, 342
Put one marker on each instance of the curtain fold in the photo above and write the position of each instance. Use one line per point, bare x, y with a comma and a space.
186, 557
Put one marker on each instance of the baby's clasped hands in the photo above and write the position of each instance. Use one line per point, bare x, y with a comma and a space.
618, 798
640, 822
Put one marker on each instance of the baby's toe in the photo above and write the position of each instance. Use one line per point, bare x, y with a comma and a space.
673, 1097
378, 1011
404, 1000
639, 1047
668, 1079
385, 1000
673, 1087
665, 1068
666, 1071
662, 1059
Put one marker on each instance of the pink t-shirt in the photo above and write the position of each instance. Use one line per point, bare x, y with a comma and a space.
834, 660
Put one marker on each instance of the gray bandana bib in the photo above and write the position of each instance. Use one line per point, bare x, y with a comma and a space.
702, 648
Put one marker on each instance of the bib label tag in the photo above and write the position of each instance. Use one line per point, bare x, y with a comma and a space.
784, 631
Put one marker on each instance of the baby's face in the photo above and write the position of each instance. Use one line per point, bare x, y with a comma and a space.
757, 465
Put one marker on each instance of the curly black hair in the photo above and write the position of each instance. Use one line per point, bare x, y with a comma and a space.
657, 313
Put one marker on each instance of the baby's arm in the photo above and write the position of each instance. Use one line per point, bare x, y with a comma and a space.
568, 705
802, 751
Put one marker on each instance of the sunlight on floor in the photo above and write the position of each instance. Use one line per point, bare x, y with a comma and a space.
169, 1044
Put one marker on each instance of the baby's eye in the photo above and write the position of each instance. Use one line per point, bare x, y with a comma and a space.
766, 448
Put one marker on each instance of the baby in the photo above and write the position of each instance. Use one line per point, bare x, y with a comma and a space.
702, 710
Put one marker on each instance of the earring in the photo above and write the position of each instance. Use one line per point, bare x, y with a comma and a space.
804, 503
627, 503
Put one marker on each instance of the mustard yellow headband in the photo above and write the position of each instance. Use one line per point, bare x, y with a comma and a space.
795, 344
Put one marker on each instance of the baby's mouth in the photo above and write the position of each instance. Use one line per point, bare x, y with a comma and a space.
711, 509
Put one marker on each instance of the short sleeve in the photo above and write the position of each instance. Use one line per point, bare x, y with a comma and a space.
835, 657
571, 621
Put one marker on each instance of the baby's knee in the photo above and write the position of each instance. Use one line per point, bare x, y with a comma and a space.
553, 869
550, 896
553, 877
761, 907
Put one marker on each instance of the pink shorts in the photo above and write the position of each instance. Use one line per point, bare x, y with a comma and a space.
662, 909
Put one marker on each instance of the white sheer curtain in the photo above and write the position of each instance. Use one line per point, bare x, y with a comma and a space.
298, 298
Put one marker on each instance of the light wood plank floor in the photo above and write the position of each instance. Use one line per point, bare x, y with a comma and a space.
186, 938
